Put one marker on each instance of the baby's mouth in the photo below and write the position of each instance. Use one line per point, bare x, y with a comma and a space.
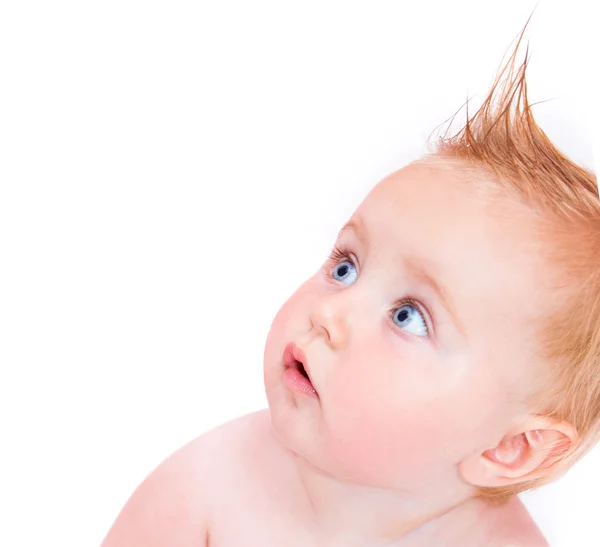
300, 367
305, 381
294, 357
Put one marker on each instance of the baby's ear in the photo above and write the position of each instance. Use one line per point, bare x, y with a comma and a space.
535, 449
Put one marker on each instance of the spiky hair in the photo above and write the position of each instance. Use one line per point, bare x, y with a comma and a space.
503, 141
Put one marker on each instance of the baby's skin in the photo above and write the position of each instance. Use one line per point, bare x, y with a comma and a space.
415, 339
237, 486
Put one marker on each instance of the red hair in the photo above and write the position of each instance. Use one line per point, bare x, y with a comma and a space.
503, 142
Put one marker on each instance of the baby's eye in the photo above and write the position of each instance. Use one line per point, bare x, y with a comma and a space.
409, 318
344, 272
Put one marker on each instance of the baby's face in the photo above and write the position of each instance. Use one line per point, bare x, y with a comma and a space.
418, 336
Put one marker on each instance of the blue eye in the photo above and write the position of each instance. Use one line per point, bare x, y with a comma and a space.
409, 318
344, 272
406, 314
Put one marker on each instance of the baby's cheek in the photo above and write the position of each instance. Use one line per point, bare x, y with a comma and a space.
294, 314
289, 322
379, 443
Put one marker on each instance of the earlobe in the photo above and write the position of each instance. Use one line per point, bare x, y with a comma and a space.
522, 455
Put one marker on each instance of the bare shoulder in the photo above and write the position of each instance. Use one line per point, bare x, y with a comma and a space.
174, 504
224, 444
511, 525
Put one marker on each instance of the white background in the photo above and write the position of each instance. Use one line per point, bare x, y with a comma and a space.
171, 171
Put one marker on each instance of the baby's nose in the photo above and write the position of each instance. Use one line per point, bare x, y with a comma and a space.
328, 314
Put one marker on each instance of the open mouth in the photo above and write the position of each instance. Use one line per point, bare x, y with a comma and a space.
300, 367
296, 369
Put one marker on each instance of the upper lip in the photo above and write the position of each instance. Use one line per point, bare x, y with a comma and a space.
293, 353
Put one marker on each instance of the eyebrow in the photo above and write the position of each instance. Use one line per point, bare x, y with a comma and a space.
417, 271
357, 226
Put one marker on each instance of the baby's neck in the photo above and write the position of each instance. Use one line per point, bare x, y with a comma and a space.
343, 514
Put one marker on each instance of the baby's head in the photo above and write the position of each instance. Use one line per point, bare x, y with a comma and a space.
453, 335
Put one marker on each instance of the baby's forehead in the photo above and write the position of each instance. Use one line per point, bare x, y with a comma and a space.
484, 245
450, 197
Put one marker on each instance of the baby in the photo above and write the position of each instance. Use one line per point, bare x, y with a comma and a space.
445, 358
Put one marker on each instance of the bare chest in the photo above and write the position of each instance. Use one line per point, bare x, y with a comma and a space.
247, 516
251, 519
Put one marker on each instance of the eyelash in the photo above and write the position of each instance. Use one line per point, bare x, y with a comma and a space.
341, 252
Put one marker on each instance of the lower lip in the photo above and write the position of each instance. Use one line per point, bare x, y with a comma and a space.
294, 379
